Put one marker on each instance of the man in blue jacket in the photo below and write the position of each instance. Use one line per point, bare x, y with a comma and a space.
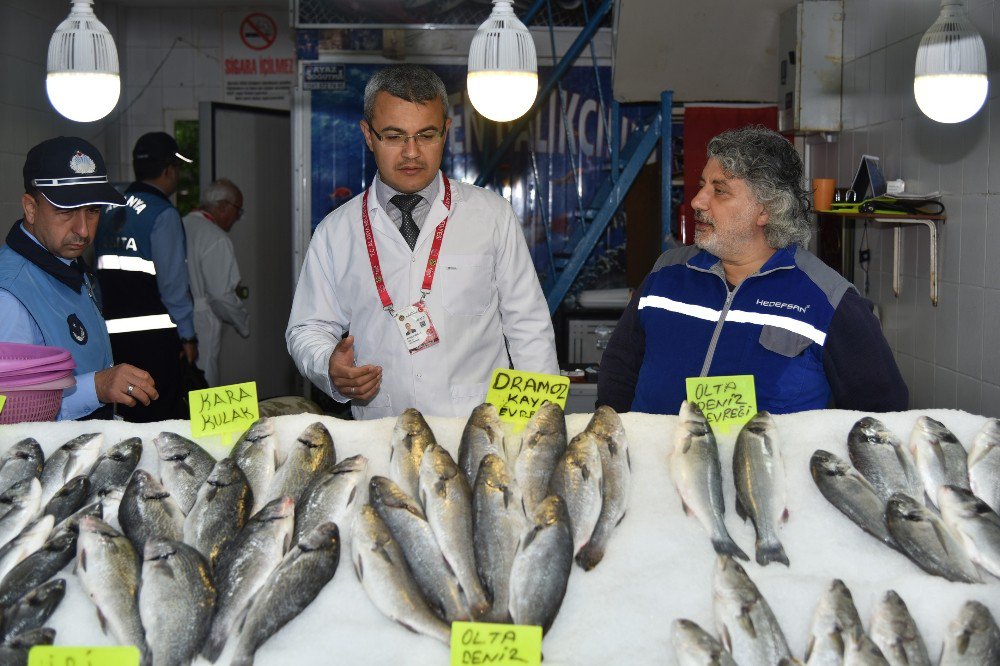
748, 299
141, 265
47, 292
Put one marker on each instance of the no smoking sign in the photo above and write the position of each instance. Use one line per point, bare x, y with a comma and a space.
258, 31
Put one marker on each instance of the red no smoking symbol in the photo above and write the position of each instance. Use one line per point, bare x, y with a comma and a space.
258, 31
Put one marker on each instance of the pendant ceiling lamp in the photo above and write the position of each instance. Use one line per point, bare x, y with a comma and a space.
949, 81
82, 81
503, 67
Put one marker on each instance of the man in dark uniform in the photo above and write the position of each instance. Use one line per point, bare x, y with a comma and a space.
143, 275
47, 294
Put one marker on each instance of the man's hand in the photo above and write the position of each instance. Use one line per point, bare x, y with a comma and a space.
357, 383
126, 385
190, 351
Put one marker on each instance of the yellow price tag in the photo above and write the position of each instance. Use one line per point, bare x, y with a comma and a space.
725, 401
502, 644
517, 395
223, 409
3, 401
53, 655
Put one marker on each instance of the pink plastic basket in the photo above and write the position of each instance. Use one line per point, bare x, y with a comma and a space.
24, 406
16, 357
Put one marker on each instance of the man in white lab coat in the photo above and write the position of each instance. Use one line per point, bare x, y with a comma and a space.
214, 273
430, 277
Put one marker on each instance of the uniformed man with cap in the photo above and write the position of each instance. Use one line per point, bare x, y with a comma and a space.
47, 291
143, 275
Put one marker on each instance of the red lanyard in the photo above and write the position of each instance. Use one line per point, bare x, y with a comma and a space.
432, 260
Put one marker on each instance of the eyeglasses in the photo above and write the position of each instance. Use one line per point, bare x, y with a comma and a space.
239, 211
397, 140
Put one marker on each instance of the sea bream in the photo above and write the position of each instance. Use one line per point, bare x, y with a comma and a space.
759, 474
23, 460
940, 457
220, 511
313, 454
880, 457
833, 623
852, 494
147, 510
927, 541
71, 459
744, 620
977, 525
184, 467
256, 453
895, 632
984, 464
113, 468
332, 497
693, 646
972, 638
697, 475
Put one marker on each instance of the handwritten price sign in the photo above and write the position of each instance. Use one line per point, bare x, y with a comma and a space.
725, 401
497, 644
518, 395
51, 655
223, 409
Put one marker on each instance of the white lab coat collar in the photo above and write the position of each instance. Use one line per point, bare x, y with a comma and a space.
383, 225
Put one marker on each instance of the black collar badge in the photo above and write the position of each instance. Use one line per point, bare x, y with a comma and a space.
77, 329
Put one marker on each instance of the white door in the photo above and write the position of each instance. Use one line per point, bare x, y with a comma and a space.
252, 147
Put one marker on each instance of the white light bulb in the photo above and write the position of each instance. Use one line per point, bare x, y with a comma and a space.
950, 98
83, 96
502, 96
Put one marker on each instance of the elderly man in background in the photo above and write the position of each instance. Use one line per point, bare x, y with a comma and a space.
47, 291
748, 298
214, 273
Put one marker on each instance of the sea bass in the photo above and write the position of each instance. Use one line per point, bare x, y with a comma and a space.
497, 525
483, 434
759, 474
543, 442
410, 438
697, 475
542, 565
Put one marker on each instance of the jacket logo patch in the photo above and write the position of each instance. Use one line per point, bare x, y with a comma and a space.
76, 329
785, 306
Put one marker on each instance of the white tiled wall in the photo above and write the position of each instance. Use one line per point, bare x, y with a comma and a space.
949, 354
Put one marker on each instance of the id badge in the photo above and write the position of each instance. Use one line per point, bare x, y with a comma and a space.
414, 323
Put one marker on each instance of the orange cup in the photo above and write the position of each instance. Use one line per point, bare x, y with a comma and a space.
823, 192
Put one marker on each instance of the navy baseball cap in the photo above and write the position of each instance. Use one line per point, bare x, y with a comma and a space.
70, 173
156, 146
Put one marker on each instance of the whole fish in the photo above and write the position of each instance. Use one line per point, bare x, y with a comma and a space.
939, 456
312, 454
972, 638
220, 511
759, 474
332, 497
72, 524
833, 623
176, 600
28, 541
22, 460
410, 438
31, 638
497, 526
110, 500
247, 563
925, 539
386, 578
483, 434
21, 503
300, 577
746, 625
108, 568
879, 456
542, 564
71, 459
447, 501
35, 569
68, 499
578, 478
408, 524
543, 443
184, 467
697, 475
693, 646
984, 464
34, 609
977, 525
147, 510
256, 453
616, 466
114, 467
894, 631
861, 650
851, 494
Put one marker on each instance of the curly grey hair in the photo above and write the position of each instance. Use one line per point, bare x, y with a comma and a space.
218, 192
413, 83
773, 170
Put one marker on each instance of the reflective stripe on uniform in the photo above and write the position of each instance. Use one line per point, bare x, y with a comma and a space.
735, 316
144, 323
113, 262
